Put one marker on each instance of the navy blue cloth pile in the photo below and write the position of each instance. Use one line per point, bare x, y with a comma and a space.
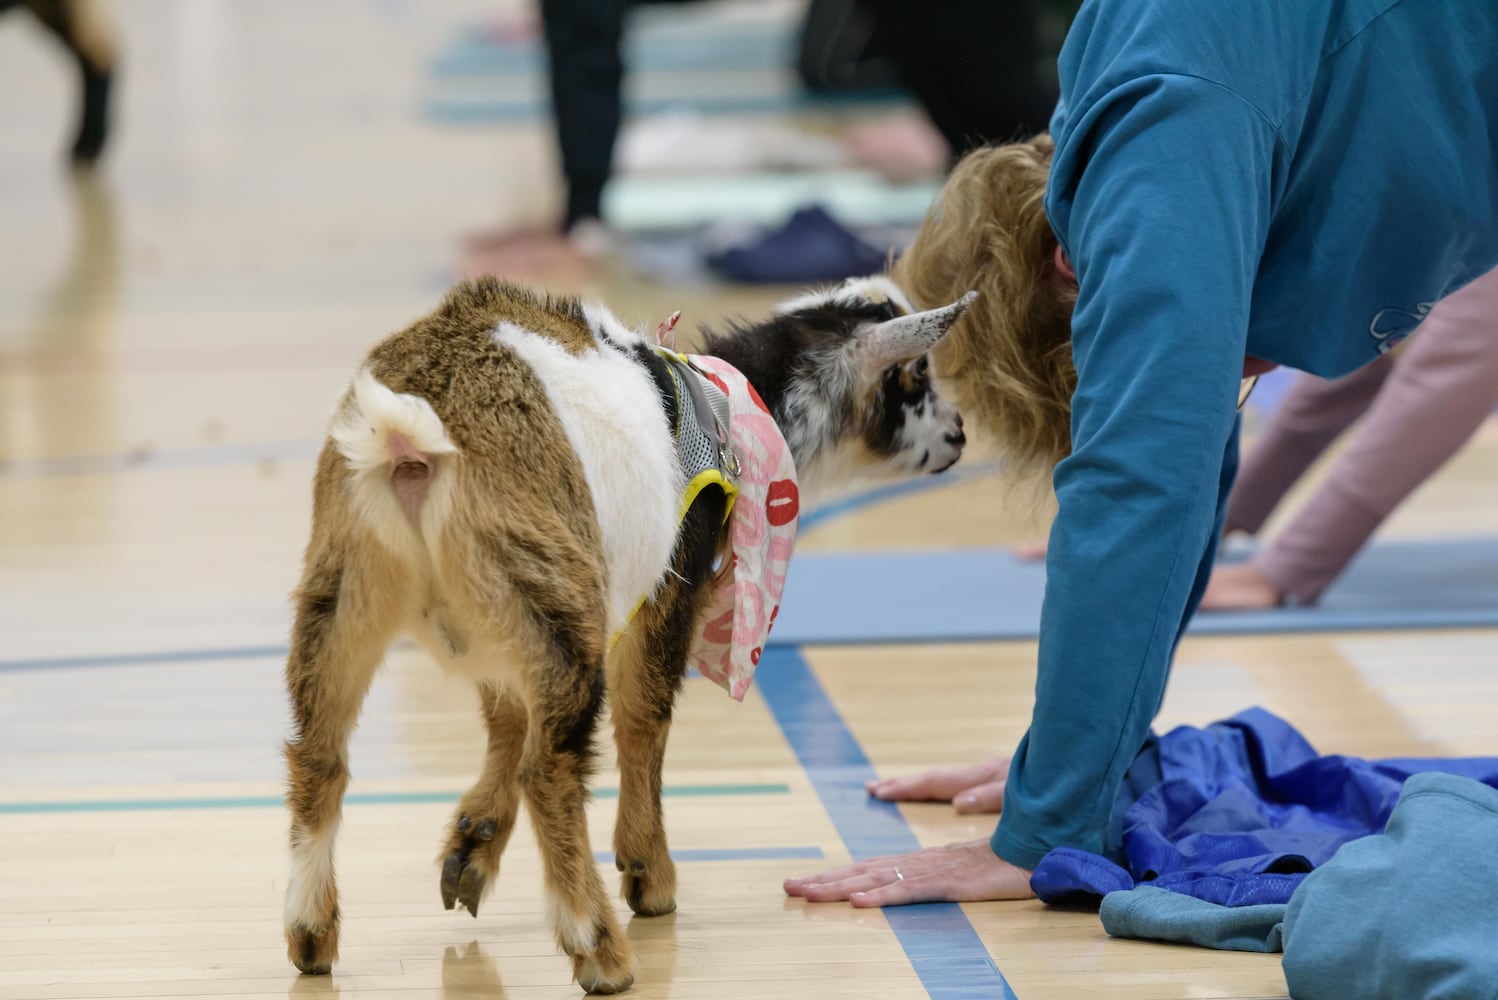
1236, 814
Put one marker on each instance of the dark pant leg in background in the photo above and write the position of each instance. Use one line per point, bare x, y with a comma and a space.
981, 68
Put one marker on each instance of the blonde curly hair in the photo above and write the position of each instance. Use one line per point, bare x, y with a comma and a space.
1008, 362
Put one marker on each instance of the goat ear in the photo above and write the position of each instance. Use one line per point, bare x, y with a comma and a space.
909, 336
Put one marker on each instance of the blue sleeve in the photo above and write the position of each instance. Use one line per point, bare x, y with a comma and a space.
1161, 195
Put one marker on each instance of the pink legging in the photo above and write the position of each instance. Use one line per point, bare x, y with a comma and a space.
1421, 405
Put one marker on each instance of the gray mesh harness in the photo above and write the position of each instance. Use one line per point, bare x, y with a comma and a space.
702, 441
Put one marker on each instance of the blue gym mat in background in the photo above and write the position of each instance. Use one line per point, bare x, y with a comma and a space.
987, 594
718, 63
699, 42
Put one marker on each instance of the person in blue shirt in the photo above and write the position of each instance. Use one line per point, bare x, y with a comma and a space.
1225, 188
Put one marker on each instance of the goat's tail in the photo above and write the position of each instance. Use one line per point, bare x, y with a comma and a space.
393, 442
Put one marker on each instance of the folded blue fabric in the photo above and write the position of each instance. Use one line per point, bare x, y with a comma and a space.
1410, 913
1237, 814
812, 246
1161, 915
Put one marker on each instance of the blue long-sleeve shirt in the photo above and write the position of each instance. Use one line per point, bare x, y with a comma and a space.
1292, 180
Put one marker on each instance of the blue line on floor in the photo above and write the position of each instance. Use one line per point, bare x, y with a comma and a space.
143, 659
352, 799
941, 944
858, 501
813, 519
148, 460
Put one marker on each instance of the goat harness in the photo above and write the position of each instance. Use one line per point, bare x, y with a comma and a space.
725, 437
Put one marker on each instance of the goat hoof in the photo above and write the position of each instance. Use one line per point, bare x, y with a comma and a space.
604, 987
452, 871
593, 974
462, 882
647, 896
471, 859
312, 951
470, 889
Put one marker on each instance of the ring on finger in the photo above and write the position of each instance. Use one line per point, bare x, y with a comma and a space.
899, 877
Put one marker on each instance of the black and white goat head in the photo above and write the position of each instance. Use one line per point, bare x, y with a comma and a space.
845, 372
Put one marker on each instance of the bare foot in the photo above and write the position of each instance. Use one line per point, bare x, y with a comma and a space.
513, 29
1033, 550
977, 788
533, 253
902, 148
1240, 587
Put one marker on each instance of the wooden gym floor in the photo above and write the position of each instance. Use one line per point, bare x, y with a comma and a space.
172, 333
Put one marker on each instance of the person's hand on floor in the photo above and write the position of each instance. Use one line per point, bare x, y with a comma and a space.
1240, 587
955, 873
977, 788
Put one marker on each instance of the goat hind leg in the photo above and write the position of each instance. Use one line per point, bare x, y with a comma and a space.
485, 817
554, 776
342, 629
555, 628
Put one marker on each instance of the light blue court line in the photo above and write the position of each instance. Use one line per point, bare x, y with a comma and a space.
352, 799
947, 955
144, 659
858, 501
146, 460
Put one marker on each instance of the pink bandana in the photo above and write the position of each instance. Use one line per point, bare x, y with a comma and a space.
762, 530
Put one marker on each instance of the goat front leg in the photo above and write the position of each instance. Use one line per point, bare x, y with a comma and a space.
343, 625
645, 677
485, 817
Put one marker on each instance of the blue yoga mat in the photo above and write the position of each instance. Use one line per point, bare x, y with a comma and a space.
702, 44
987, 594
769, 95
703, 62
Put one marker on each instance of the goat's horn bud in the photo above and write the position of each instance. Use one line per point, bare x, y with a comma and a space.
910, 336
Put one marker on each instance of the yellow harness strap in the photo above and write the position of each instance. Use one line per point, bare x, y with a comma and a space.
701, 435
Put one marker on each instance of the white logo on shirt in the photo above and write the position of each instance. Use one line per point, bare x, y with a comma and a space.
1389, 326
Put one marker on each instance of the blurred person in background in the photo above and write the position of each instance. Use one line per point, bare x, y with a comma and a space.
1418, 407
979, 69
85, 30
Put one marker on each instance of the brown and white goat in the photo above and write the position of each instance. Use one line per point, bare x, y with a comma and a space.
501, 482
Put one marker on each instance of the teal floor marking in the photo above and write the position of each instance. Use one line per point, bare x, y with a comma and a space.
352, 799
